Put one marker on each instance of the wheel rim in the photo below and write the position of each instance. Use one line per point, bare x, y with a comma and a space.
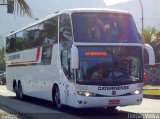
57, 98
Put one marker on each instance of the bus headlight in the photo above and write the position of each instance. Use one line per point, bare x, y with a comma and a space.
136, 92
85, 93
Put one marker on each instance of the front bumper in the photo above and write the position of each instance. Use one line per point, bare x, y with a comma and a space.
91, 102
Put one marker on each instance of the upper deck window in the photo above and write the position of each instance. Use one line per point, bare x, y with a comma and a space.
104, 28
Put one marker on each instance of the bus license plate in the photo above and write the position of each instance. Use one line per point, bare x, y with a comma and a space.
114, 102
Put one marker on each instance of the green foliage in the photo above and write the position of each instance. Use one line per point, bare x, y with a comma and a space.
20, 43
152, 37
2, 56
148, 33
152, 92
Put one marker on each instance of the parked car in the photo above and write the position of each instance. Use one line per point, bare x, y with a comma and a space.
2, 78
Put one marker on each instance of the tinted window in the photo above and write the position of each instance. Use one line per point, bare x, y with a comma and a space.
65, 35
11, 44
65, 39
31, 36
45, 33
65, 31
50, 31
104, 27
105, 65
20, 42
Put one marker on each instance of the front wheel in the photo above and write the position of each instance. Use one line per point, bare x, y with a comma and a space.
57, 98
112, 109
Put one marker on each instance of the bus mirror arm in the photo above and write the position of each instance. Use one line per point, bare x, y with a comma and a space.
151, 54
74, 57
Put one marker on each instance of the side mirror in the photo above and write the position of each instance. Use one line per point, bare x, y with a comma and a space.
74, 57
149, 56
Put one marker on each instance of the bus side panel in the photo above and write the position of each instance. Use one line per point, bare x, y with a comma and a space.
37, 80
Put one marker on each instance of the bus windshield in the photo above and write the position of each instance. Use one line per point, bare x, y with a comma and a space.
110, 65
104, 28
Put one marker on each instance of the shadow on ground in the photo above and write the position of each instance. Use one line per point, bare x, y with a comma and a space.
72, 113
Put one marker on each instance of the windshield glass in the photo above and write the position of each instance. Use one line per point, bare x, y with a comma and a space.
104, 28
115, 65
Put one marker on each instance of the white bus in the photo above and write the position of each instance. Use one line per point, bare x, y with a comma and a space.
82, 58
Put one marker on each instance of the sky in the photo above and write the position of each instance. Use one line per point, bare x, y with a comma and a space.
112, 2
11, 22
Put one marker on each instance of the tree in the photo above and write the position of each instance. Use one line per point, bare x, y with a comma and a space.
152, 37
157, 46
21, 7
148, 33
2, 56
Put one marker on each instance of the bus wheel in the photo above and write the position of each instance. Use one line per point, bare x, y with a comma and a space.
16, 91
57, 98
20, 91
112, 109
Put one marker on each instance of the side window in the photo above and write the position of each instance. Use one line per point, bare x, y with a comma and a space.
32, 36
20, 43
11, 44
26, 37
65, 39
65, 62
39, 35
46, 55
65, 31
7, 45
50, 28
36, 35
48, 36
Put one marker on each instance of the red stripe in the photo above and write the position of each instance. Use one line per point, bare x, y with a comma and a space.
38, 54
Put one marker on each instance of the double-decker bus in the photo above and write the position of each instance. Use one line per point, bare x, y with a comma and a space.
82, 58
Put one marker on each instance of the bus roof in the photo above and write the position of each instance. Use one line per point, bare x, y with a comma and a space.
70, 11
95, 10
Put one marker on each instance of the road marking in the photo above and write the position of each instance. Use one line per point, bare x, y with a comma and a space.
3, 91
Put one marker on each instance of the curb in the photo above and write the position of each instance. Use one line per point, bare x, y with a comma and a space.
151, 96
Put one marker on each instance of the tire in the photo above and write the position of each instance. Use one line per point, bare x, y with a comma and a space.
4, 82
112, 109
16, 91
57, 98
20, 94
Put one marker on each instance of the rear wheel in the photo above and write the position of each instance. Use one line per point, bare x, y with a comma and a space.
21, 95
4, 81
16, 91
19, 91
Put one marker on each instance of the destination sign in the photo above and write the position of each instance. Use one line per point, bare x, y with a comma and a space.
96, 53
